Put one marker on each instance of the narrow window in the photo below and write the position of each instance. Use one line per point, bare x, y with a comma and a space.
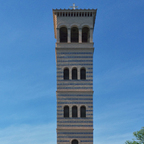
66, 74
74, 111
85, 34
83, 111
82, 13
63, 34
66, 111
69, 14
74, 142
83, 73
74, 14
74, 34
74, 73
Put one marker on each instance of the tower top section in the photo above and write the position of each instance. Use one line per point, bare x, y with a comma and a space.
73, 17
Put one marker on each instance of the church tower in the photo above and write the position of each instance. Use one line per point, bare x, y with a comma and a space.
74, 62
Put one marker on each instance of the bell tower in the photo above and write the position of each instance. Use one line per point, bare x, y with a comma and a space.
74, 49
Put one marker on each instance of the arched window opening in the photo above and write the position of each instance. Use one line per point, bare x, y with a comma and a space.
74, 73
74, 142
66, 111
74, 111
83, 73
63, 34
85, 34
74, 34
66, 74
83, 111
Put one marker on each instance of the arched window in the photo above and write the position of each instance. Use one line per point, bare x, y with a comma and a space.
74, 34
74, 73
66, 111
74, 142
66, 74
85, 34
63, 34
83, 111
74, 111
83, 73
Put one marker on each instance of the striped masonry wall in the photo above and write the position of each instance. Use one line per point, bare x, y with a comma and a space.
75, 58
74, 93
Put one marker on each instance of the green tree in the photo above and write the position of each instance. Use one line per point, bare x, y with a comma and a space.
139, 137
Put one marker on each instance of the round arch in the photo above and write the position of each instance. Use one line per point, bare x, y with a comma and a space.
63, 32
66, 111
74, 111
83, 73
66, 73
74, 141
62, 25
85, 34
83, 111
85, 25
74, 73
74, 25
74, 34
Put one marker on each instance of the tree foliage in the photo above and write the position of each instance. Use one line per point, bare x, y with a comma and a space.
139, 135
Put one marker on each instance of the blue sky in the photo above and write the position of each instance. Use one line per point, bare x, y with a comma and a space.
28, 70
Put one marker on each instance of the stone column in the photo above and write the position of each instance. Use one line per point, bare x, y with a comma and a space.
80, 35
58, 35
91, 35
70, 73
69, 35
70, 111
78, 110
78, 72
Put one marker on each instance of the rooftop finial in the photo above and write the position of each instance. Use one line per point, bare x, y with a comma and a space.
73, 7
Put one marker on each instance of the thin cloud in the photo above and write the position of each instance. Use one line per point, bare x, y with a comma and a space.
118, 77
28, 134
